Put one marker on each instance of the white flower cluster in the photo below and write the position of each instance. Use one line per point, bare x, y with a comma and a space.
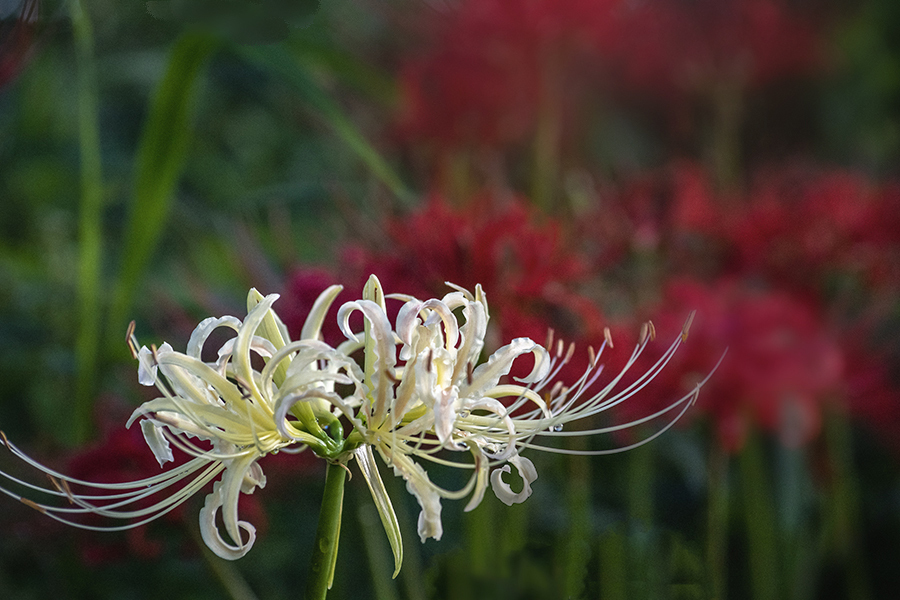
419, 392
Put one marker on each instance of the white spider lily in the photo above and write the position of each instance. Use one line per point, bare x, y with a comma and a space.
241, 413
437, 397
430, 397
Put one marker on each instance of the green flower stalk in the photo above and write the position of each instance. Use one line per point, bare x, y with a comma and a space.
420, 395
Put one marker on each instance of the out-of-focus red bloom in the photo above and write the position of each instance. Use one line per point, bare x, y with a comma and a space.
520, 257
661, 208
686, 46
822, 222
482, 80
780, 367
530, 272
873, 392
16, 40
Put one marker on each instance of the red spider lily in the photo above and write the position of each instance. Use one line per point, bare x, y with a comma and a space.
828, 222
483, 80
660, 209
873, 392
506, 246
780, 367
523, 259
685, 46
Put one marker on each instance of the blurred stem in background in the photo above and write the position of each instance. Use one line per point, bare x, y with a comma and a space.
377, 551
548, 136
643, 545
717, 521
412, 574
725, 157
843, 513
613, 558
576, 545
760, 523
90, 258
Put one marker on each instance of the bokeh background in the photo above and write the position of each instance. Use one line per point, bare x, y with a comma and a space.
592, 163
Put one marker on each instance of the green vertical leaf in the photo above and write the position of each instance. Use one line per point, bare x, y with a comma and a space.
283, 64
89, 225
160, 160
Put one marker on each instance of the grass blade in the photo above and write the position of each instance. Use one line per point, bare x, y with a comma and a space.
89, 226
278, 61
160, 160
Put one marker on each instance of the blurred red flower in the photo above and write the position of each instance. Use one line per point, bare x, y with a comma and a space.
482, 80
528, 268
781, 365
523, 260
835, 221
686, 46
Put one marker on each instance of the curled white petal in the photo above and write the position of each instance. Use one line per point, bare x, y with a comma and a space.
210, 532
202, 332
225, 496
501, 488
488, 375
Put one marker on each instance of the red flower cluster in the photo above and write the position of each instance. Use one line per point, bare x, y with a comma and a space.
773, 255
530, 273
482, 80
521, 258
780, 367
827, 222
684, 46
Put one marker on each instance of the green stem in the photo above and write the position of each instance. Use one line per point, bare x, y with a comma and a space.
844, 505
324, 555
717, 521
90, 234
613, 558
643, 547
377, 552
725, 146
547, 150
576, 547
759, 520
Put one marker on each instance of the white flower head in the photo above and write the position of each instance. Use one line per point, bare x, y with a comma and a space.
420, 394
226, 414
434, 394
